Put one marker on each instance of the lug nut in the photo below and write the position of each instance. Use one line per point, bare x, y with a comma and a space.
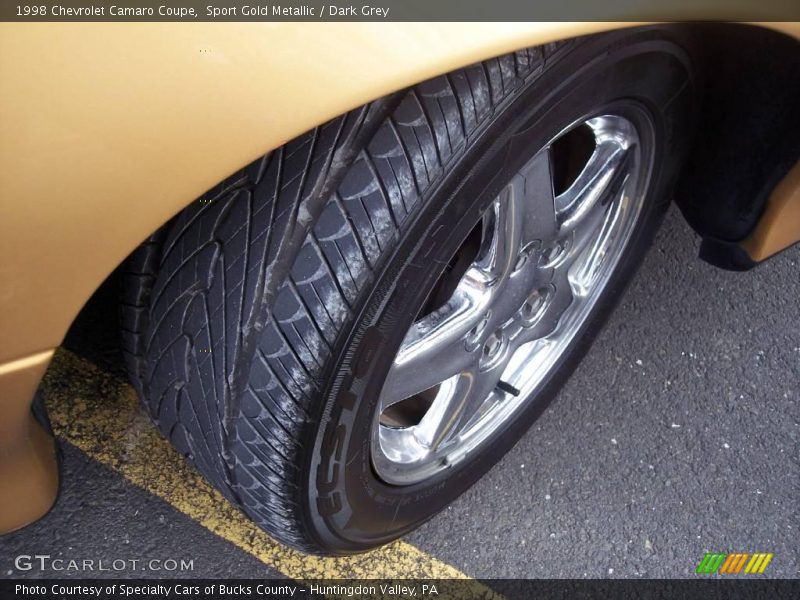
493, 345
476, 333
534, 304
526, 252
552, 253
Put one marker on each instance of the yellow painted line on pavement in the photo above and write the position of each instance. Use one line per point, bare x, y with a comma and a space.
100, 414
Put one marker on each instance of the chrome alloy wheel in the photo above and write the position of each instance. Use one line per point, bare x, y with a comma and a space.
468, 366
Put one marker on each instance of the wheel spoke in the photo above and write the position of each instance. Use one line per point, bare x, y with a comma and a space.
502, 230
583, 277
534, 186
582, 207
519, 220
452, 407
436, 347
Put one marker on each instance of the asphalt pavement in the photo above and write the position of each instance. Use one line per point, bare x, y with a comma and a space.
678, 435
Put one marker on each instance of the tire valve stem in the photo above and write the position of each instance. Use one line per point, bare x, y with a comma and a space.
507, 388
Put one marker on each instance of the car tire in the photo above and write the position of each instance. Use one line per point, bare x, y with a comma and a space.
278, 403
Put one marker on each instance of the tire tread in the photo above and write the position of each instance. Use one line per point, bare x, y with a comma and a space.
191, 289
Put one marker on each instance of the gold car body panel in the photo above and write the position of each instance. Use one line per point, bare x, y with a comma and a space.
779, 226
28, 473
109, 129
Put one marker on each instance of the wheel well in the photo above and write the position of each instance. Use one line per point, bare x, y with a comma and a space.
747, 135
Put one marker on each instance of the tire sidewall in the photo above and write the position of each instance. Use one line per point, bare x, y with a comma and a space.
346, 508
